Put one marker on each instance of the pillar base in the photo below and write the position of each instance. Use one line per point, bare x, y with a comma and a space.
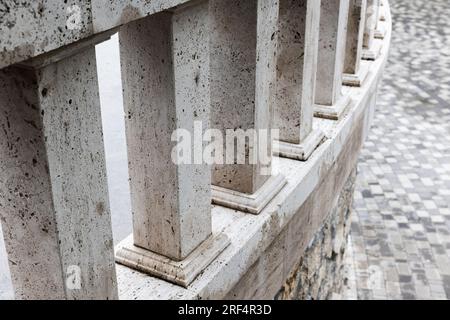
334, 112
382, 12
178, 272
300, 151
250, 203
374, 52
357, 79
380, 32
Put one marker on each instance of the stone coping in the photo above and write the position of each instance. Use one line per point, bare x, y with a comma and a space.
251, 235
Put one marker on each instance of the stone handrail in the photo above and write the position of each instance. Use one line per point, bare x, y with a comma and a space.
308, 68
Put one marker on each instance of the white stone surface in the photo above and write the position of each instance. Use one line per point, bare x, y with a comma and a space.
357, 79
243, 61
32, 27
355, 36
297, 53
303, 150
165, 72
354, 71
248, 240
332, 42
298, 41
251, 235
110, 14
372, 47
251, 203
179, 272
55, 209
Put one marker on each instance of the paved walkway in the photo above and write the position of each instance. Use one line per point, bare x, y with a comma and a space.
400, 238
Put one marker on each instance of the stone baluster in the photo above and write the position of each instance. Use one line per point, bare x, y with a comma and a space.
165, 75
54, 204
330, 101
380, 29
372, 46
243, 71
296, 78
355, 70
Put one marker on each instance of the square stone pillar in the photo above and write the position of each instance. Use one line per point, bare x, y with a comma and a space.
330, 102
372, 46
243, 71
355, 70
380, 29
298, 41
165, 74
382, 13
54, 205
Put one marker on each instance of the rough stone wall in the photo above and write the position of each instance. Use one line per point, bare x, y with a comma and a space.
319, 272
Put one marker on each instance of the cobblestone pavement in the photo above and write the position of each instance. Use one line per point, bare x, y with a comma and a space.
400, 238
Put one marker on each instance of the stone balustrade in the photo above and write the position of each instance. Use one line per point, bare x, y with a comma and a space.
248, 227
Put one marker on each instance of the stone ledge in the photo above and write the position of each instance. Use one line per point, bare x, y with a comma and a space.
251, 235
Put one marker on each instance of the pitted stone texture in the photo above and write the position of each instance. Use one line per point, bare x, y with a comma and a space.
371, 22
243, 62
32, 27
332, 42
109, 14
296, 68
355, 36
165, 71
53, 189
279, 261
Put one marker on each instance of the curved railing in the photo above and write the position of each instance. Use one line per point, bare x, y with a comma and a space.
239, 75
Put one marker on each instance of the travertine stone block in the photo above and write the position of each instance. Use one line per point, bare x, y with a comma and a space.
296, 76
109, 14
54, 202
32, 27
332, 42
380, 30
166, 88
372, 47
165, 74
354, 71
243, 62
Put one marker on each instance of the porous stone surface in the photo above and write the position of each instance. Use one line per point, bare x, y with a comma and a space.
32, 27
371, 22
109, 14
243, 61
320, 272
165, 72
53, 189
252, 236
296, 68
269, 272
355, 35
332, 42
